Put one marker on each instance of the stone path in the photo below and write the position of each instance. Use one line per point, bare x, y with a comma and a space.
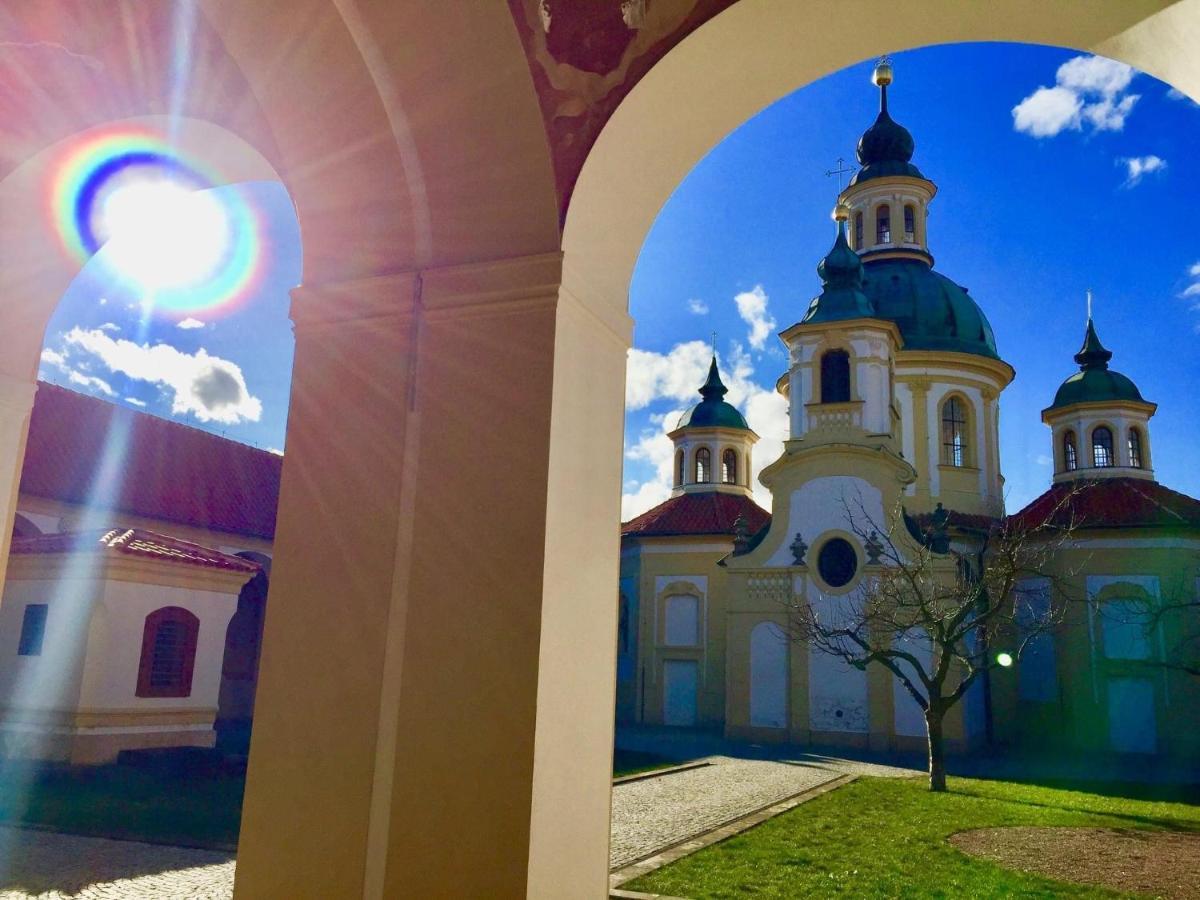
48, 866
648, 816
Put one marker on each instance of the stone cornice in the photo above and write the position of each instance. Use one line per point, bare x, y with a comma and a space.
496, 287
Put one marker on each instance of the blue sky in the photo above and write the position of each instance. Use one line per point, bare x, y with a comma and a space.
224, 369
1091, 183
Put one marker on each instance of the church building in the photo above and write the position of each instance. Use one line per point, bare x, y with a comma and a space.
893, 384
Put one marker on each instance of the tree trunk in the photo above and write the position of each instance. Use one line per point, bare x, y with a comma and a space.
937, 750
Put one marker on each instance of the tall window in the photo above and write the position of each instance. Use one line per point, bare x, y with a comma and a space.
33, 630
1070, 456
703, 466
954, 432
883, 225
858, 230
168, 653
835, 377
1102, 447
623, 625
729, 467
679, 467
1135, 448
910, 224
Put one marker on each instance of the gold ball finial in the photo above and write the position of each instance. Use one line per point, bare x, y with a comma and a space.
882, 76
841, 213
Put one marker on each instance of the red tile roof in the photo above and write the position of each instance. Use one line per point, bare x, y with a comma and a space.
711, 512
163, 470
1112, 503
133, 542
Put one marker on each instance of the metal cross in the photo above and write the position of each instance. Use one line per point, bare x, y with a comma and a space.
714, 343
840, 171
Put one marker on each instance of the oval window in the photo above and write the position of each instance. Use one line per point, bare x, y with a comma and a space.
837, 562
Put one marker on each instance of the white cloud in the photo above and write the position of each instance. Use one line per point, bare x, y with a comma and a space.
1194, 270
111, 327
1044, 460
55, 358
1136, 167
1088, 90
677, 375
91, 381
275, 450
697, 307
135, 401
1191, 290
752, 307
189, 323
1047, 111
209, 387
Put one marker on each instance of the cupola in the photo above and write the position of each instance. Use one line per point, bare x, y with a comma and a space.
1099, 419
712, 443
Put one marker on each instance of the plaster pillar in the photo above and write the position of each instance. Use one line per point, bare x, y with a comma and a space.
16, 402
435, 706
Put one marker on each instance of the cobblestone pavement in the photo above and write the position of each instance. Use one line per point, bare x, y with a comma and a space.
48, 866
650, 815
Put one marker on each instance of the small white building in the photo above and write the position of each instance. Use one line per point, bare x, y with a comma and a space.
112, 641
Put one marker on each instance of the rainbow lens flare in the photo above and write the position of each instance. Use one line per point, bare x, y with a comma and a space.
157, 221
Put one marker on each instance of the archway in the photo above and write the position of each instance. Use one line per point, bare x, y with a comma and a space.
472, 486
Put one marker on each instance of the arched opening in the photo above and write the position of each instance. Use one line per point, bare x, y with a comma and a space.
883, 224
954, 432
910, 224
729, 466
1102, 447
1135, 448
858, 231
703, 466
679, 467
1070, 454
835, 376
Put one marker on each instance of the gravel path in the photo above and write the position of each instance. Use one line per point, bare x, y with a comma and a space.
650, 815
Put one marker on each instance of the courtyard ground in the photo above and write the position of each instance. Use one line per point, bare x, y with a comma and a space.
881, 837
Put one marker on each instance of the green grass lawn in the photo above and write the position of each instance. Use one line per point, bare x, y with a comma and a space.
125, 802
884, 837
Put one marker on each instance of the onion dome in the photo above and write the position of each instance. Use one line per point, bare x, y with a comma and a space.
841, 273
887, 146
713, 411
1095, 382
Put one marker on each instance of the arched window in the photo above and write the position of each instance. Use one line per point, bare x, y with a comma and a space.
168, 653
883, 224
1070, 457
835, 377
910, 224
858, 230
1102, 447
954, 432
1135, 448
729, 467
703, 466
679, 468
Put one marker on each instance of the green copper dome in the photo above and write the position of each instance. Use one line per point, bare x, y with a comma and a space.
713, 411
931, 311
885, 148
1095, 382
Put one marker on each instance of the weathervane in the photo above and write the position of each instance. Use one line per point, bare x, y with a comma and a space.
841, 170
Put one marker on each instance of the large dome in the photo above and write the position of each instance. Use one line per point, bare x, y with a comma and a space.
885, 148
931, 311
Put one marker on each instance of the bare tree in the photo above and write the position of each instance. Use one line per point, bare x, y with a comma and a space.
941, 605
1168, 625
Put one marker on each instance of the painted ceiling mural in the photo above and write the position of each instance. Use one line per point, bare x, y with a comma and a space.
585, 57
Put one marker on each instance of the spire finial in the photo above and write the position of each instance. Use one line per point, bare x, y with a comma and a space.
713, 388
882, 77
1089, 304
714, 345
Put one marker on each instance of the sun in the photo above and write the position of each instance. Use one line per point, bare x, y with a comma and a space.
161, 233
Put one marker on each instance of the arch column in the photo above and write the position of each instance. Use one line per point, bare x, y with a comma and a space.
437, 678
16, 403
